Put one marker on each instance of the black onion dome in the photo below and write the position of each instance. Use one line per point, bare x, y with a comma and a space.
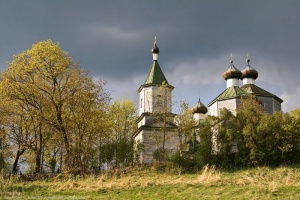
155, 49
199, 108
249, 72
232, 72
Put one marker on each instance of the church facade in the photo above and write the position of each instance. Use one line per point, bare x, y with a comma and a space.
156, 127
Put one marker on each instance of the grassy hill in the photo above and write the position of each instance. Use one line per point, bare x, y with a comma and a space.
148, 183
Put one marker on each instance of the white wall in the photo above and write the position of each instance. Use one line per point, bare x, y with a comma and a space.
230, 104
152, 99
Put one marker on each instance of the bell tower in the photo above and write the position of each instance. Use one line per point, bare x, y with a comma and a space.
156, 128
152, 98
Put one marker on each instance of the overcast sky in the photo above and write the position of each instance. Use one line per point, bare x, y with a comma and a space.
113, 40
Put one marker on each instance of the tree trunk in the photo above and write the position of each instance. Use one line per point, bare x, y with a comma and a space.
68, 161
100, 155
15, 165
37, 161
61, 159
62, 129
38, 153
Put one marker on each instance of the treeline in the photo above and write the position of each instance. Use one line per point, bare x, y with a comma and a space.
54, 117
249, 139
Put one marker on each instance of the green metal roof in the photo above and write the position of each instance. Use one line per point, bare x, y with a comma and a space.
155, 76
230, 93
257, 91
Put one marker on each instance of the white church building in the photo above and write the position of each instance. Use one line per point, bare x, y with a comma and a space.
230, 98
156, 127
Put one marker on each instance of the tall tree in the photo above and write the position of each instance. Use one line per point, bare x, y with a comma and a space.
205, 151
270, 141
187, 126
21, 130
45, 80
291, 141
122, 116
249, 113
227, 136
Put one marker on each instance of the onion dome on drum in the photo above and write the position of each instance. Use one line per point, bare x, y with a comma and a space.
199, 108
155, 49
249, 72
232, 72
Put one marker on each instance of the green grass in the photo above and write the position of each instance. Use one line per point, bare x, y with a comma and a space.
147, 183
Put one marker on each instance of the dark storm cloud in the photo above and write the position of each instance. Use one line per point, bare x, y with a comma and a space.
113, 40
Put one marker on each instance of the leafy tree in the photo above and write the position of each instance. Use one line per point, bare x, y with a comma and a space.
204, 153
249, 113
117, 148
280, 139
4, 151
269, 144
251, 138
54, 92
225, 137
187, 126
164, 111
122, 118
88, 115
21, 130
291, 140
296, 114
